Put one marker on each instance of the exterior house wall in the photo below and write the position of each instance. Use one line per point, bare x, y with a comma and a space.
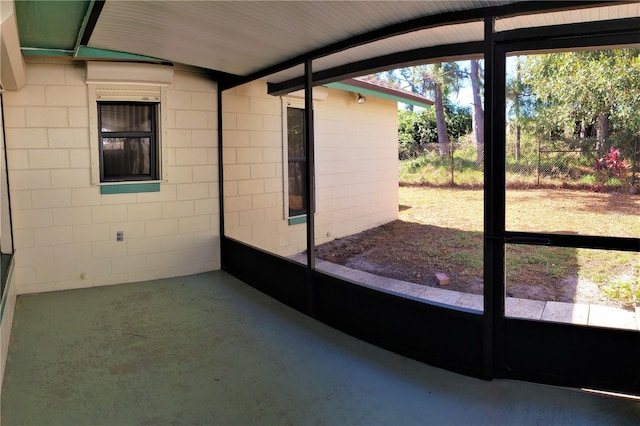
6, 243
356, 168
64, 229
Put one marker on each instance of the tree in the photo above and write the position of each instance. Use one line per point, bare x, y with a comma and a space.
417, 130
478, 110
586, 93
437, 80
518, 95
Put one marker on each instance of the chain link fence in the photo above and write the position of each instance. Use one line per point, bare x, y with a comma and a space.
545, 165
569, 166
532, 165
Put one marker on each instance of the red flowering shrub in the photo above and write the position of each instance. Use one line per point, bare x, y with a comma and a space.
610, 170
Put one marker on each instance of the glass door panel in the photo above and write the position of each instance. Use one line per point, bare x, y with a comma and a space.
572, 147
571, 154
573, 285
400, 186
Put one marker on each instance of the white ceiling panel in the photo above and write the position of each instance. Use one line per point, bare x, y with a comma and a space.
628, 10
449, 34
242, 37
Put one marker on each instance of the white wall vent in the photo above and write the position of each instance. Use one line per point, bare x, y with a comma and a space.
129, 73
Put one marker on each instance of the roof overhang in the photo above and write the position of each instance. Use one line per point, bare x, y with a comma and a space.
381, 91
241, 41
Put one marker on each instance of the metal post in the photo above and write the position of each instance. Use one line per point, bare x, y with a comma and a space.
310, 180
453, 166
310, 163
538, 168
635, 162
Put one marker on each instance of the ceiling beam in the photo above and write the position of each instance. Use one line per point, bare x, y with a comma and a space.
578, 29
443, 53
95, 9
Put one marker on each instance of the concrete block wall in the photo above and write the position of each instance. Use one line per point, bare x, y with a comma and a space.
356, 168
64, 229
356, 164
253, 174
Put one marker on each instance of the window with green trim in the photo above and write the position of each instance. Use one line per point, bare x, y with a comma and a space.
297, 160
128, 141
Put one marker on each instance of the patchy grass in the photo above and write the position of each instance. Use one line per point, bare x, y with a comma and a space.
440, 230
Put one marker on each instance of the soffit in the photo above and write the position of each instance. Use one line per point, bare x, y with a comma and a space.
436, 36
619, 11
245, 37
50, 24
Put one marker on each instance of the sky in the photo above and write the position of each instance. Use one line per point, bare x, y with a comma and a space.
464, 97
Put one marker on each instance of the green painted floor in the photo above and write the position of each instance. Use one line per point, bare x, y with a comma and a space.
207, 349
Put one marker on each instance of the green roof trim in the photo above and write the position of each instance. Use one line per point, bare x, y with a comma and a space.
85, 52
31, 51
369, 92
130, 188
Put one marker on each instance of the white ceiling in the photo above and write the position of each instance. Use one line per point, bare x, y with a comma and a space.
443, 35
242, 37
619, 11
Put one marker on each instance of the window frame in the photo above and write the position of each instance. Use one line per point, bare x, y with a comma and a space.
153, 146
286, 104
121, 93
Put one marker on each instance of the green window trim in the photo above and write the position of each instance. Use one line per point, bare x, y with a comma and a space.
297, 220
130, 188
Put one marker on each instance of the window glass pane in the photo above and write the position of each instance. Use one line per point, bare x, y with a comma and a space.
126, 156
572, 143
297, 161
297, 185
295, 132
571, 285
125, 117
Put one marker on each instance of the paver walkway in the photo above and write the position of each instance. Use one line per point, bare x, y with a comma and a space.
572, 313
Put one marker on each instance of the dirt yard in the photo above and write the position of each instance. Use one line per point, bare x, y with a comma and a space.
439, 230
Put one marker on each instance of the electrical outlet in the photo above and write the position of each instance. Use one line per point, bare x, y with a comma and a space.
120, 236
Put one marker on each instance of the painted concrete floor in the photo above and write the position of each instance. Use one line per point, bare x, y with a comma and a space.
208, 349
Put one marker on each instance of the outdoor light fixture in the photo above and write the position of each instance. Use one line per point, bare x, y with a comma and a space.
361, 99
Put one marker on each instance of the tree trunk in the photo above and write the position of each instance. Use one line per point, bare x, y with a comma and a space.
478, 111
602, 132
443, 139
517, 142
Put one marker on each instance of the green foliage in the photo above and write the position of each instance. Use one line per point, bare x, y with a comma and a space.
430, 169
623, 290
417, 131
578, 92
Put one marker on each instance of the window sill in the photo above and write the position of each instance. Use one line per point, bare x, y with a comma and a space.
128, 187
296, 220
